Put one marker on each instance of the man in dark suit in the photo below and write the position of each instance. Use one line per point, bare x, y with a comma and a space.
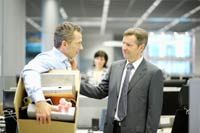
134, 88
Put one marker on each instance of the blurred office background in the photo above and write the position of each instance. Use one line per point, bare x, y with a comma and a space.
26, 29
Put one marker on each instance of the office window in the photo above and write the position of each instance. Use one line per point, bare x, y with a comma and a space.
171, 52
33, 45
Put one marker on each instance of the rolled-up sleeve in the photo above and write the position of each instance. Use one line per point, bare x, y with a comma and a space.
32, 84
32, 79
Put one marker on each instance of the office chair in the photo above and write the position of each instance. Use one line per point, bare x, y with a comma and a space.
182, 113
184, 96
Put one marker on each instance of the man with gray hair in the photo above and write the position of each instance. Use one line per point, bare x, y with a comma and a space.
67, 44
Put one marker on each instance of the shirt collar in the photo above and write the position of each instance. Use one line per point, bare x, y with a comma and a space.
136, 63
59, 55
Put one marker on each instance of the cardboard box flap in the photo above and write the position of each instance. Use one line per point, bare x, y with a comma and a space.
19, 94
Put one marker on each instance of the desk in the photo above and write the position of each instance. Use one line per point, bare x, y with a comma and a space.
86, 131
164, 130
166, 121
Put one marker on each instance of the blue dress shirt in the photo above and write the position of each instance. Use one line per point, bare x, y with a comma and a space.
44, 62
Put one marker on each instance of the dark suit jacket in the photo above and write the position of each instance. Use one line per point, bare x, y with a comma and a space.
145, 97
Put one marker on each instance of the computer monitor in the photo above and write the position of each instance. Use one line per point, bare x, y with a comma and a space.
184, 96
174, 99
175, 82
170, 103
8, 99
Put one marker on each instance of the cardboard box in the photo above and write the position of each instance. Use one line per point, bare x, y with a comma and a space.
31, 125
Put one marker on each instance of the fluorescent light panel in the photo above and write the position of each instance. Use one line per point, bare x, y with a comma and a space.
33, 23
104, 16
63, 13
147, 13
112, 43
195, 29
184, 16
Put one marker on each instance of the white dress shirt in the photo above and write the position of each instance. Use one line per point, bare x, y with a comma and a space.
135, 64
44, 62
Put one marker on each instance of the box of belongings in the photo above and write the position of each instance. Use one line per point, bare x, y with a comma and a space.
61, 89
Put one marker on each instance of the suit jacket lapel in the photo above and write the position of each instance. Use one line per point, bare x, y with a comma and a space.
139, 73
120, 70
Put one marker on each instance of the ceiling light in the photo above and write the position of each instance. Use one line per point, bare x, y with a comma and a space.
104, 16
33, 23
63, 13
112, 43
147, 13
183, 17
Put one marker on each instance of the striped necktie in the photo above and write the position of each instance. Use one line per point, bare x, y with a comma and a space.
122, 107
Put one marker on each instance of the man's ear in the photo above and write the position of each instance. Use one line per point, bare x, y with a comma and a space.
142, 47
64, 43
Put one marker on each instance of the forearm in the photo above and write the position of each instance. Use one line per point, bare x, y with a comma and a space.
92, 91
32, 82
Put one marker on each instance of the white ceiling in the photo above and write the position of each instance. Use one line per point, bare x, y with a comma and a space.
153, 15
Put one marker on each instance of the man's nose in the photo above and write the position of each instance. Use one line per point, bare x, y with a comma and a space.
81, 48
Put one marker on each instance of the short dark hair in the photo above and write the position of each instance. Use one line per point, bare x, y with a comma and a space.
65, 32
103, 54
140, 34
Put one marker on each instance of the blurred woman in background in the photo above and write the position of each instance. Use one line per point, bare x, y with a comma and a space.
96, 74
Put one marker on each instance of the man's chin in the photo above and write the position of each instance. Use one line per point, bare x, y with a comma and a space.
125, 56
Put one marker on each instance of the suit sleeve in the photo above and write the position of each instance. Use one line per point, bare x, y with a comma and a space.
97, 92
155, 100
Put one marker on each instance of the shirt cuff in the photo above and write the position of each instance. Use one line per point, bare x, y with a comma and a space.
38, 96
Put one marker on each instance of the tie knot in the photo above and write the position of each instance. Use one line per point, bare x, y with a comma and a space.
130, 66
